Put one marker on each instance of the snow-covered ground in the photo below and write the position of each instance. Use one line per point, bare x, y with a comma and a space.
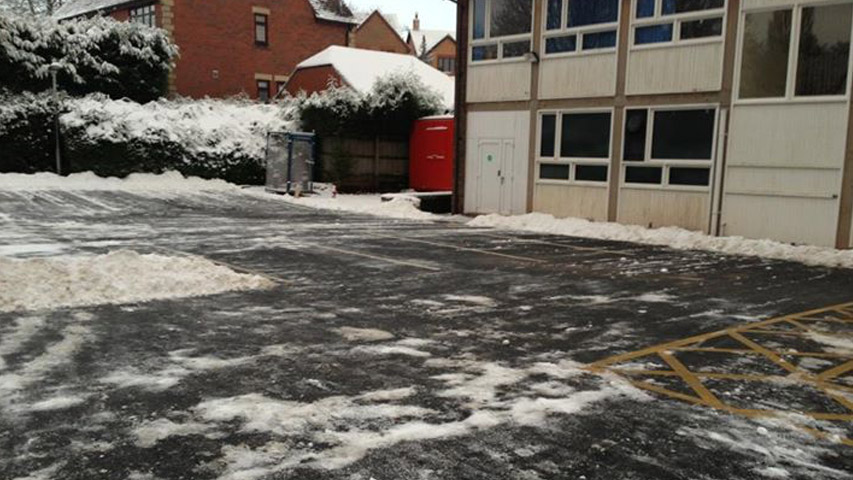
137, 182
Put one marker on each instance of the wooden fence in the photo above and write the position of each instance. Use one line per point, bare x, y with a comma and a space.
364, 164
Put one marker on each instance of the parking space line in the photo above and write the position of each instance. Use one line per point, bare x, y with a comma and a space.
381, 258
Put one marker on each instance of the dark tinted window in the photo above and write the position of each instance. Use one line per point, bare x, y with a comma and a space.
516, 49
585, 135
590, 12
709, 27
824, 51
511, 17
690, 176
683, 135
682, 6
645, 8
653, 34
549, 135
635, 135
561, 44
591, 173
555, 15
599, 40
485, 52
644, 175
549, 171
764, 54
479, 18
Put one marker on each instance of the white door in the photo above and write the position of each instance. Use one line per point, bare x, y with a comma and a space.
497, 162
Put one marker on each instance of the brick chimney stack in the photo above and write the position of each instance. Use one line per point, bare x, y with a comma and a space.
416, 24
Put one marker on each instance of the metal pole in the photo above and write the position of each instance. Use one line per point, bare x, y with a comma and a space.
56, 123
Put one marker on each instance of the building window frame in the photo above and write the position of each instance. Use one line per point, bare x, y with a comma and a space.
499, 42
263, 85
676, 20
448, 62
262, 20
144, 14
790, 97
667, 165
571, 162
578, 32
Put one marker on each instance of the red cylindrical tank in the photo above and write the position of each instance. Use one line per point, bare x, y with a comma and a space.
432, 154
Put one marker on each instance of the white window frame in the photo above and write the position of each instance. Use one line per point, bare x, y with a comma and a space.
667, 164
143, 11
571, 162
488, 40
578, 32
793, 57
676, 19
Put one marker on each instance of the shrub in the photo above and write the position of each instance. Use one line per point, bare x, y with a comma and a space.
27, 141
120, 59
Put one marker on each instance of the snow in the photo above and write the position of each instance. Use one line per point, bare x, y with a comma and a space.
837, 344
669, 236
57, 403
473, 299
361, 69
117, 277
75, 8
382, 350
172, 182
333, 11
364, 334
403, 208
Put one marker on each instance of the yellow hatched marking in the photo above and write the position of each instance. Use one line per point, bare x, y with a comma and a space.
691, 380
837, 371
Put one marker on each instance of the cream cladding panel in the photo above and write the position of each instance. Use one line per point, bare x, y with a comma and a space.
571, 201
499, 82
578, 77
665, 208
675, 69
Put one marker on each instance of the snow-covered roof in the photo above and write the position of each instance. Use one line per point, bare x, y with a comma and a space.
75, 8
432, 37
361, 68
329, 10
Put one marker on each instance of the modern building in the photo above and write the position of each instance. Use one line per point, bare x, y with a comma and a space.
436, 47
730, 117
234, 46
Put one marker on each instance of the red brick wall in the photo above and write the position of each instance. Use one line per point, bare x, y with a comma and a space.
376, 34
219, 35
311, 80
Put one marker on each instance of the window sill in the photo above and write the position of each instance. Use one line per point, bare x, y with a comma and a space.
816, 100
664, 188
676, 44
571, 183
578, 54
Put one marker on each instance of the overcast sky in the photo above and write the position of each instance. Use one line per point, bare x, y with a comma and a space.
435, 14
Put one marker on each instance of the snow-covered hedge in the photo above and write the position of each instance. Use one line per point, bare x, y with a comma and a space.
389, 109
206, 138
121, 59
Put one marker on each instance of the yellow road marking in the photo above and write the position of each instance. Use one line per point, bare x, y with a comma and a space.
837, 371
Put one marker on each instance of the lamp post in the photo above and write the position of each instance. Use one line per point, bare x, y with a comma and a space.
54, 69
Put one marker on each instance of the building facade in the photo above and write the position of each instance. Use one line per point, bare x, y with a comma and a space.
729, 117
435, 47
376, 33
231, 47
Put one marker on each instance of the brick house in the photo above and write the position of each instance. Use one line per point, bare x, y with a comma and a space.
229, 47
377, 32
436, 47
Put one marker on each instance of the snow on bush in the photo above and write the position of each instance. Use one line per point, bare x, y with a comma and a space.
122, 59
669, 236
118, 277
26, 132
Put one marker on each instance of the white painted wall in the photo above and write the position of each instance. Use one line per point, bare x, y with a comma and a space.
499, 82
510, 129
783, 173
578, 76
675, 69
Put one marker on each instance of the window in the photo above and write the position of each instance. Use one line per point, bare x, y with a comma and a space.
145, 15
821, 61
675, 21
447, 65
263, 90
580, 25
261, 30
501, 29
669, 147
575, 146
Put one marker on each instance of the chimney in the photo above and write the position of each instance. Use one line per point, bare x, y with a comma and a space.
416, 25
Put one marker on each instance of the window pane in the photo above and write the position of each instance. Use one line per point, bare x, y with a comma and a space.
516, 49
479, 18
682, 6
553, 172
645, 8
764, 63
263, 90
561, 44
511, 17
485, 52
709, 27
591, 12
591, 173
261, 33
644, 175
653, 34
683, 135
635, 135
555, 15
690, 176
585, 135
824, 50
549, 135
592, 41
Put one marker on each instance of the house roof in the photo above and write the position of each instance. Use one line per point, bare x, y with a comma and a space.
360, 69
391, 20
432, 38
329, 10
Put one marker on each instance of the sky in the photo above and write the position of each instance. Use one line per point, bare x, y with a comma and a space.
435, 14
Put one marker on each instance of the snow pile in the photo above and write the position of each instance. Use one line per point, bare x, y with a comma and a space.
672, 237
117, 277
88, 181
401, 207
213, 127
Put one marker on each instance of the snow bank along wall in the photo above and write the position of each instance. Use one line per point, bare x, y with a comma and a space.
723, 116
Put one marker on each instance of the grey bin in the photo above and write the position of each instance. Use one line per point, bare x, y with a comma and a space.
290, 162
